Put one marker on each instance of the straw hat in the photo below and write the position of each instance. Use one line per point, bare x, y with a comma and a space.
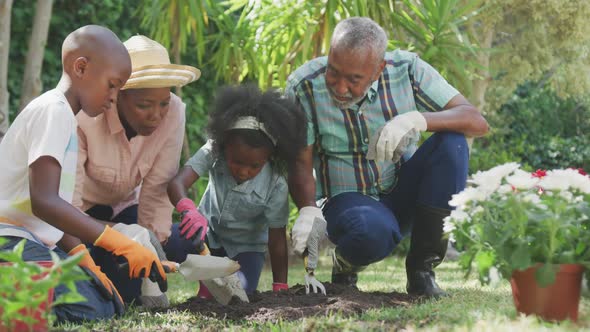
151, 67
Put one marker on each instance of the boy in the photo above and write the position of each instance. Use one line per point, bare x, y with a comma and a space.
37, 172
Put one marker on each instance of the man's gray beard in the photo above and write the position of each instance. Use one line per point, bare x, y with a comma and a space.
347, 104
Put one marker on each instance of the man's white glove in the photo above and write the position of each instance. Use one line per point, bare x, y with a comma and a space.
151, 295
302, 227
391, 141
318, 231
314, 284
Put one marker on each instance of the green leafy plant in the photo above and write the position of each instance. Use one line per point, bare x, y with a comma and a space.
24, 286
510, 219
538, 129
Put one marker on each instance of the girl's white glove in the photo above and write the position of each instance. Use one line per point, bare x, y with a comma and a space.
303, 226
391, 141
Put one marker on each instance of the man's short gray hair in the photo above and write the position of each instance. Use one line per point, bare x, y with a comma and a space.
360, 33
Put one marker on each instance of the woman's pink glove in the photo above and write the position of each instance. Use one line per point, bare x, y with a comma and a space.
192, 220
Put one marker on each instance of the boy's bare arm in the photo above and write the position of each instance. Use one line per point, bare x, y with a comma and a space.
68, 242
277, 248
44, 179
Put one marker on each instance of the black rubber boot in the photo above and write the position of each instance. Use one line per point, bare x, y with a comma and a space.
343, 272
428, 247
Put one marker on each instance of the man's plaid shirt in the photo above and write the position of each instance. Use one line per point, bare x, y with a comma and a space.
341, 137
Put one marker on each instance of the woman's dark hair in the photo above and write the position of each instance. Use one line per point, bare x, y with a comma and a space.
282, 118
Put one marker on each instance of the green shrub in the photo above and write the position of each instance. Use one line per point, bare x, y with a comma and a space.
537, 129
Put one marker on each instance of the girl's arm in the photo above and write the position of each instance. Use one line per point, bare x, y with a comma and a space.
177, 188
277, 248
200, 163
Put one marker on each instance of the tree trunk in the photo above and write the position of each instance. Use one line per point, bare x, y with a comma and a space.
483, 59
32, 85
186, 151
5, 9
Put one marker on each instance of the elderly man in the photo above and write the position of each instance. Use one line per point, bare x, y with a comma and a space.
366, 109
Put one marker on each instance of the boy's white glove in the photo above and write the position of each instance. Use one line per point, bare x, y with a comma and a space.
302, 227
151, 295
391, 141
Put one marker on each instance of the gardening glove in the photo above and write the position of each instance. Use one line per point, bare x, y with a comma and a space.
142, 236
279, 286
318, 231
157, 245
303, 227
312, 256
312, 282
105, 285
138, 233
142, 263
391, 141
192, 219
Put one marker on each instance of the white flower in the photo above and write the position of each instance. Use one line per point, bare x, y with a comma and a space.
567, 195
448, 225
563, 179
580, 182
522, 180
533, 198
458, 216
492, 178
504, 189
467, 195
477, 210
495, 276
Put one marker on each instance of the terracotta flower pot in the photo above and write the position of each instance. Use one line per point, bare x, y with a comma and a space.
556, 302
36, 313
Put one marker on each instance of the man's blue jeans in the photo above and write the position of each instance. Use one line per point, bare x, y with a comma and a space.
95, 307
366, 230
176, 250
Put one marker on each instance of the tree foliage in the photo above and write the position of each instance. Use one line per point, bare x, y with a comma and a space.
535, 40
67, 16
266, 40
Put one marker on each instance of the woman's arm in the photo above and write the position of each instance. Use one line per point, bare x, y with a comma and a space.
155, 210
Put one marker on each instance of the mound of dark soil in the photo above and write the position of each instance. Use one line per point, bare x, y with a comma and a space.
295, 304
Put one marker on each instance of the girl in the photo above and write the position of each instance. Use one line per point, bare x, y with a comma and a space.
253, 137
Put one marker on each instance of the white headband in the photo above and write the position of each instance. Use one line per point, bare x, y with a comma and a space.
250, 122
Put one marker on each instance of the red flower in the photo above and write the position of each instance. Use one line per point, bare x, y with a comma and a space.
580, 170
539, 173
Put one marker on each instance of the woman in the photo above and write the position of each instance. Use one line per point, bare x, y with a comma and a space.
128, 155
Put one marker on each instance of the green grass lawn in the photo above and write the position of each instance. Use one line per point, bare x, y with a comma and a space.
470, 307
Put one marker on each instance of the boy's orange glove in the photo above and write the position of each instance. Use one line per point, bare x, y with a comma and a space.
142, 262
105, 285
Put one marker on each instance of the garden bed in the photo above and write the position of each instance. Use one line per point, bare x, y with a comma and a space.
295, 304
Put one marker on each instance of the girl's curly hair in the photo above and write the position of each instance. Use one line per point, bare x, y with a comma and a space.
282, 118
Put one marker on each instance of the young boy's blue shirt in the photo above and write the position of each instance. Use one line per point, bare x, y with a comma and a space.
240, 215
